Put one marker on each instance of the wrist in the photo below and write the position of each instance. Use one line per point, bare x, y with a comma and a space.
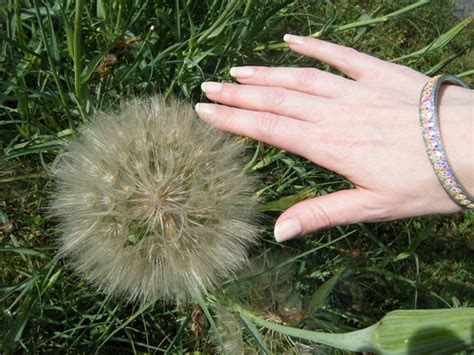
456, 120
455, 95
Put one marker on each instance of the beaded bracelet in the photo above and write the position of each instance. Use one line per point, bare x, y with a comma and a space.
432, 139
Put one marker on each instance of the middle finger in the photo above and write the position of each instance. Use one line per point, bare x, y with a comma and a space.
308, 80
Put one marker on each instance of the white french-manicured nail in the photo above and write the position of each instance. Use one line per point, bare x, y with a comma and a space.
205, 110
210, 87
242, 72
292, 39
287, 229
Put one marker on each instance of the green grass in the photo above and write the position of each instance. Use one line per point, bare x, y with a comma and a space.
58, 63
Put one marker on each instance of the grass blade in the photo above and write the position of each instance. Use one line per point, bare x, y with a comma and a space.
252, 329
323, 292
202, 303
441, 41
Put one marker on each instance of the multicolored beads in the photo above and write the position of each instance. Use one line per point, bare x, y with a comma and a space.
432, 139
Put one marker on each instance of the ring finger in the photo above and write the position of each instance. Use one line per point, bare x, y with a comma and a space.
279, 101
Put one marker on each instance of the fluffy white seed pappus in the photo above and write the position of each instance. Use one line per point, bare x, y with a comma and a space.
153, 203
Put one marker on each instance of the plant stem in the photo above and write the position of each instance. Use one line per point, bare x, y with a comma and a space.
362, 23
202, 303
466, 73
359, 340
219, 21
77, 49
52, 64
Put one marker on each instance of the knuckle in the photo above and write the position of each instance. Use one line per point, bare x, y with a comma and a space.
268, 125
265, 74
227, 92
347, 55
276, 98
308, 77
404, 71
320, 216
225, 118
401, 69
378, 209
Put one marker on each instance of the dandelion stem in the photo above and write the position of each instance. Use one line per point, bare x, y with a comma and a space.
359, 340
421, 331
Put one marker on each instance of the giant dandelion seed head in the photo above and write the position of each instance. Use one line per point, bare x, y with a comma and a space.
153, 202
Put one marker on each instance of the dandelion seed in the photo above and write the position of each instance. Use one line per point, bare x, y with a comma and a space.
153, 202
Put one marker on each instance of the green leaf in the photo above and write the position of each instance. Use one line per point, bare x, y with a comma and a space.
13, 336
3, 217
22, 251
287, 201
131, 240
323, 292
90, 67
52, 280
69, 33
268, 159
424, 234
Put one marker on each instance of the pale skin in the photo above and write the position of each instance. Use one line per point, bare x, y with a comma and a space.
364, 127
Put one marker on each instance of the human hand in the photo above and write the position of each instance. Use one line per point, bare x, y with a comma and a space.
365, 128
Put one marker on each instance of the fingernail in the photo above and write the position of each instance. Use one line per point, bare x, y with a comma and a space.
241, 72
210, 87
287, 229
292, 39
205, 110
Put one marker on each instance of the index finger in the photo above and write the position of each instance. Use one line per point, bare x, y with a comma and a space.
347, 60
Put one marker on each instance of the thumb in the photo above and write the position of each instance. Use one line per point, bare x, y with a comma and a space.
337, 208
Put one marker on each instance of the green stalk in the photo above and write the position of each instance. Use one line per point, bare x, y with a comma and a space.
18, 22
441, 41
400, 332
359, 340
102, 10
373, 21
230, 6
247, 8
77, 49
21, 177
444, 62
118, 20
138, 57
349, 26
466, 73
52, 63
